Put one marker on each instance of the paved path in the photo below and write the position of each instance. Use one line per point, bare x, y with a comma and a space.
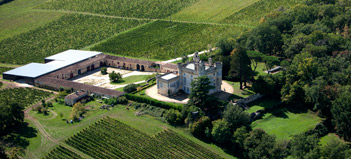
191, 55
45, 134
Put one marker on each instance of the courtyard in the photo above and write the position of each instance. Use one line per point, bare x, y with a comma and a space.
95, 78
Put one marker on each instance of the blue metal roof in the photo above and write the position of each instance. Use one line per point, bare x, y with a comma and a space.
60, 60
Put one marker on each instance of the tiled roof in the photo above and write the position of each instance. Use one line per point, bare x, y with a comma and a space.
57, 83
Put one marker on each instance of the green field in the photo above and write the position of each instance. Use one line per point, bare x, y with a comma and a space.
262, 104
69, 32
118, 140
284, 123
17, 17
122, 8
211, 10
252, 14
165, 40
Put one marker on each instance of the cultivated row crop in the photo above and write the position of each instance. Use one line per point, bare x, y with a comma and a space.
251, 15
69, 32
22, 96
164, 40
123, 8
62, 153
109, 138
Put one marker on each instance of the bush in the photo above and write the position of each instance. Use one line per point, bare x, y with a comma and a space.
104, 70
153, 102
173, 117
199, 127
130, 88
221, 131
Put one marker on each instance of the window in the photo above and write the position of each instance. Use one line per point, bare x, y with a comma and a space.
184, 81
161, 85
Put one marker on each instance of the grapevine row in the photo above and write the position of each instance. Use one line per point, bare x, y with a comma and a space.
109, 138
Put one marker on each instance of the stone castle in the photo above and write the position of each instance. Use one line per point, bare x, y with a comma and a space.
171, 83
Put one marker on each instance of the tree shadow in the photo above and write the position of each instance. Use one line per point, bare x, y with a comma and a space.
20, 135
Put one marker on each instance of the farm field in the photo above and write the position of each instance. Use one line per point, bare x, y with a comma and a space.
252, 14
165, 40
211, 10
58, 129
17, 17
117, 139
22, 96
284, 123
62, 153
69, 32
121, 8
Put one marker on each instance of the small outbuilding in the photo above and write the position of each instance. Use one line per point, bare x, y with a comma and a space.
75, 97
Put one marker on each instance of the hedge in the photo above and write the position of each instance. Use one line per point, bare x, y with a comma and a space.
153, 102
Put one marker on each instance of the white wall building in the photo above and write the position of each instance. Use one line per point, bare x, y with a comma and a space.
170, 83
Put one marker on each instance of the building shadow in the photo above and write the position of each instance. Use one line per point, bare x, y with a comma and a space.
180, 96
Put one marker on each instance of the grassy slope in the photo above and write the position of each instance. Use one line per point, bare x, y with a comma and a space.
328, 138
283, 123
252, 14
160, 39
211, 10
17, 17
69, 32
60, 130
123, 8
261, 104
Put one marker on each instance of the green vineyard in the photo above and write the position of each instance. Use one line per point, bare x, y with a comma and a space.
252, 14
109, 138
123, 8
69, 32
165, 40
62, 153
22, 96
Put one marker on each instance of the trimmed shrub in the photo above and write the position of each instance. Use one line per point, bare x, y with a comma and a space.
153, 102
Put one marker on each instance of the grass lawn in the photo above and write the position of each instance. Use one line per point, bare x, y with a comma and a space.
284, 123
58, 128
131, 79
260, 69
18, 17
329, 137
211, 10
261, 104
238, 93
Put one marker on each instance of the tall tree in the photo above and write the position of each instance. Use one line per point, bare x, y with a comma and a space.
341, 111
240, 66
259, 144
236, 116
199, 97
304, 145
